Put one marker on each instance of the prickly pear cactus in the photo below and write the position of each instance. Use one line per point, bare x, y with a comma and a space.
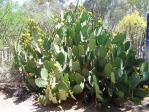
82, 57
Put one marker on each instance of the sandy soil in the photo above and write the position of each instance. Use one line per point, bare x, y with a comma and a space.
30, 105
10, 103
14, 104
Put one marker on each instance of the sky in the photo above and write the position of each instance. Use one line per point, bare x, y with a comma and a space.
22, 1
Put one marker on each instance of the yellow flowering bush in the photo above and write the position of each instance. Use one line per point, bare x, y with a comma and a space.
133, 25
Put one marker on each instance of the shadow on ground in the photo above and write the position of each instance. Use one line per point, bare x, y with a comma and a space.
22, 95
69, 105
11, 90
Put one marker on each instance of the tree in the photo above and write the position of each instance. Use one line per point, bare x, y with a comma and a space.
115, 10
12, 20
142, 6
43, 12
134, 26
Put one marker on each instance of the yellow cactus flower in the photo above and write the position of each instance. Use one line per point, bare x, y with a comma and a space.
90, 13
23, 35
39, 40
115, 34
27, 34
145, 86
30, 74
99, 21
55, 65
40, 44
26, 41
137, 68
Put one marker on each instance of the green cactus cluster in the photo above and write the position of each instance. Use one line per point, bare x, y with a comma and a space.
82, 57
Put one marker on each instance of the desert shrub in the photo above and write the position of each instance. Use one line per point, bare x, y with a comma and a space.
82, 57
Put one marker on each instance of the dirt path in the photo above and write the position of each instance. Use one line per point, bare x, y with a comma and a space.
29, 105
14, 104
10, 103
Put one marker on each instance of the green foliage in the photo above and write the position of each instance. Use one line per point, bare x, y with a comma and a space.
1, 43
12, 20
100, 63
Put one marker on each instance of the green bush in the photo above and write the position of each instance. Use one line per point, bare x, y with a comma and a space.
82, 57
